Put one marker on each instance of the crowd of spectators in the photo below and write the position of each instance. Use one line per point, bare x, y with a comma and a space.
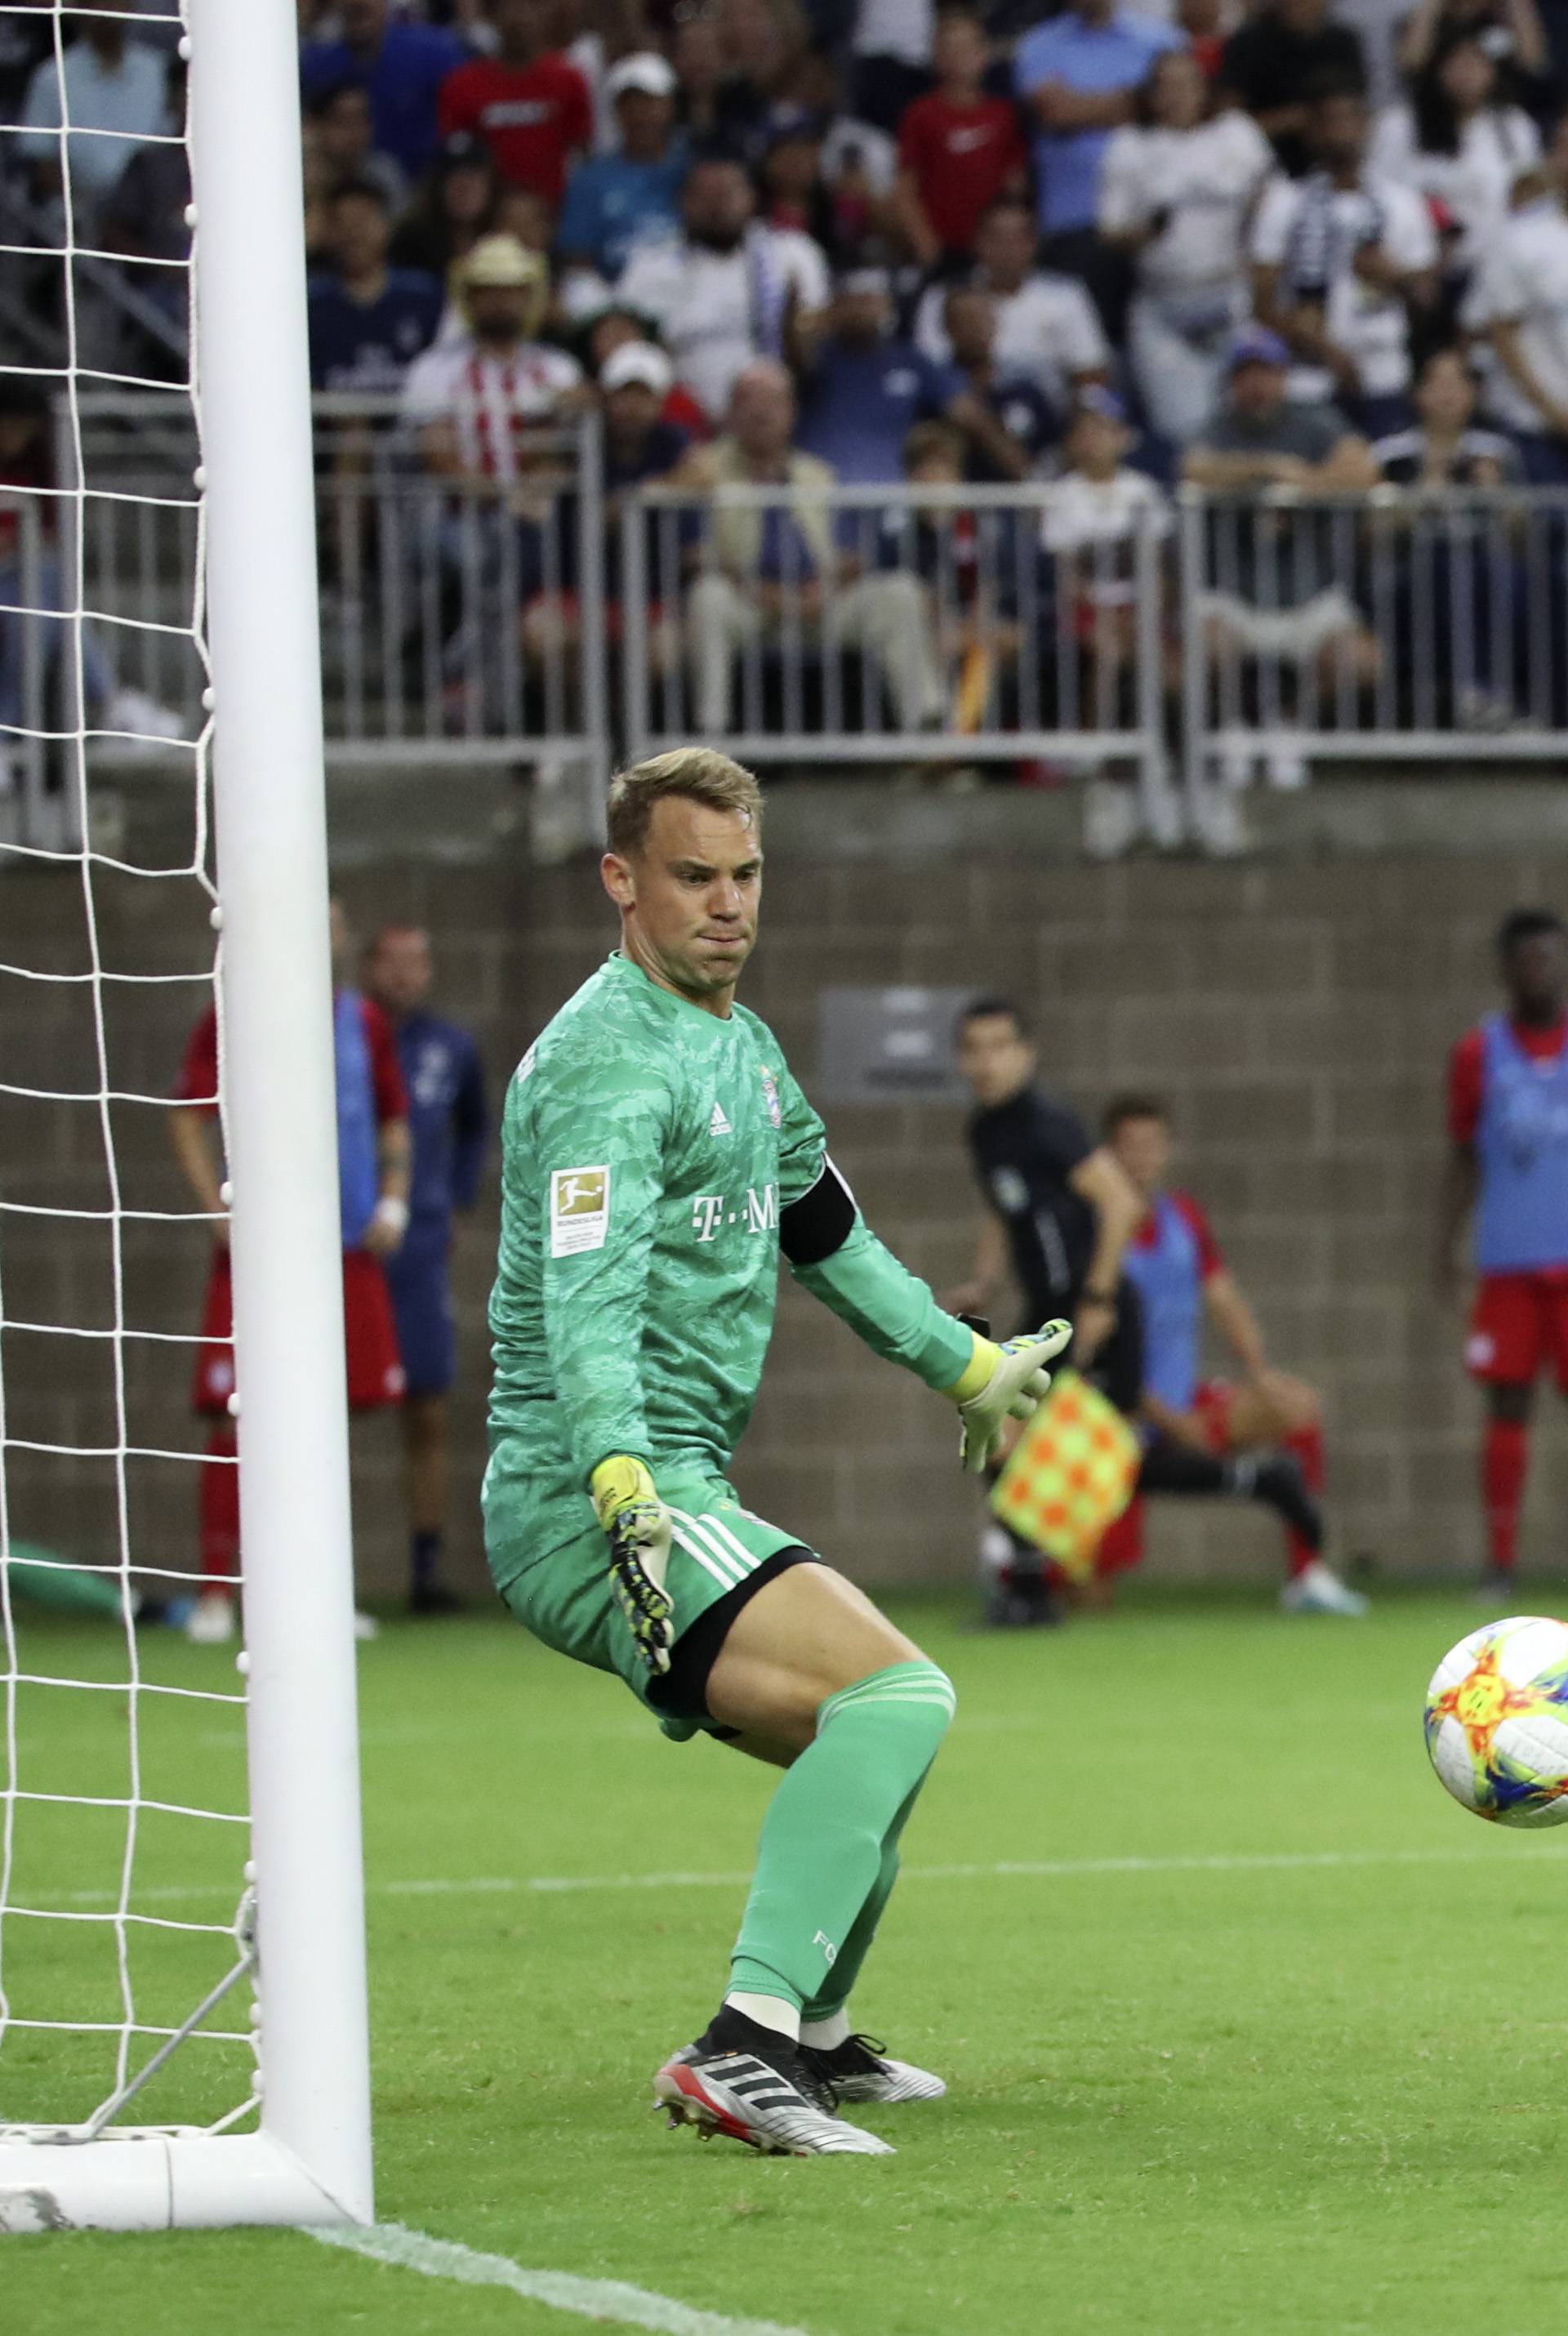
1299, 242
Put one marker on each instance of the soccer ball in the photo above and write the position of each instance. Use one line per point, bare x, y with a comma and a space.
1497, 1721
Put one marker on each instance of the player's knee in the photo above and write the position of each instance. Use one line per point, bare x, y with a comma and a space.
915, 1701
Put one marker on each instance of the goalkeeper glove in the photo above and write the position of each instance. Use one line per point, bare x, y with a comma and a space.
637, 1527
1003, 1383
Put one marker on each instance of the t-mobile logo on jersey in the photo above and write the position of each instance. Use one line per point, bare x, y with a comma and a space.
758, 1213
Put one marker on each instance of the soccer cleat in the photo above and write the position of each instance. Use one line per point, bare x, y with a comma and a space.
859, 2070
428, 1599
747, 2083
1315, 1591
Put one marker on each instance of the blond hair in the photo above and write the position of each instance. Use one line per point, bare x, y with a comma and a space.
699, 772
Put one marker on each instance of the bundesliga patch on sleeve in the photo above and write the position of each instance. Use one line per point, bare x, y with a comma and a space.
578, 1210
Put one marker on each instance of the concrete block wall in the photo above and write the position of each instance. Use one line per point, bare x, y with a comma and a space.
1296, 1013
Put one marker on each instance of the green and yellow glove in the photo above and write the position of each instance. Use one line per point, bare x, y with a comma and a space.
636, 1525
1003, 1383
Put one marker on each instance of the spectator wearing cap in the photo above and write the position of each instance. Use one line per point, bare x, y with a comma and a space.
116, 96
367, 321
1340, 258
614, 328
640, 444
1177, 192
1275, 60
959, 147
399, 63
1078, 76
1047, 327
866, 385
1096, 512
340, 127
725, 289
777, 573
470, 402
614, 200
1278, 598
1518, 300
531, 107
1017, 423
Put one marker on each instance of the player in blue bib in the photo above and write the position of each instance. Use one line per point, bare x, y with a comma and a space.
449, 1128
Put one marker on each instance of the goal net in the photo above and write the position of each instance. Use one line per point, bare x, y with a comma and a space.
182, 2029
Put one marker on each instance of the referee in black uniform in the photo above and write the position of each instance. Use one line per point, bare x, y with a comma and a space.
1059, 1212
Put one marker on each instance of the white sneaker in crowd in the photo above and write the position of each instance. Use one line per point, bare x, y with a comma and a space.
1285, 768
1318, 1591
212, 1619
1113, 817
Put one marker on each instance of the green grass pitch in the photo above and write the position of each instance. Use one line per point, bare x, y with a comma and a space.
1282, 2043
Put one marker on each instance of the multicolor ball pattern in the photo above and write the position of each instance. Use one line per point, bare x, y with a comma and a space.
1497, 1721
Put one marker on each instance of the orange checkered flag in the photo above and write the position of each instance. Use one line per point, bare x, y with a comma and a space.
1071, 1475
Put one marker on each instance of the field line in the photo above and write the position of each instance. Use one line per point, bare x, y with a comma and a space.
612, 2300
1063, 1869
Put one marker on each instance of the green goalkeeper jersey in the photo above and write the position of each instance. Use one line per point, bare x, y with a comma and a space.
650, 1150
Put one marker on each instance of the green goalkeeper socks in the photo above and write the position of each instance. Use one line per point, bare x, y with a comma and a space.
829, 1849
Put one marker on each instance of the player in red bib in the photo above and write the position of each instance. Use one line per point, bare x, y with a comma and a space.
1259, 1437
1508, 1167
373, 1166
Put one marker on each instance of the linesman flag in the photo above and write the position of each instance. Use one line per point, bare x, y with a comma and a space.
1070, 1476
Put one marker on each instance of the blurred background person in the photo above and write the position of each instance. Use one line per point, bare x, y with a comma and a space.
959, 147
448, 1125
1458, 141
400, 62
367, 321
1046, 326
1177, 190
1276, 59
529, 105
614, 200
1518, 298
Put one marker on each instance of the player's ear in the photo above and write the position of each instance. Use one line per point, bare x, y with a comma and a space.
616, 875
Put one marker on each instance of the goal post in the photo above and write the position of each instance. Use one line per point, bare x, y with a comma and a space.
308, 2160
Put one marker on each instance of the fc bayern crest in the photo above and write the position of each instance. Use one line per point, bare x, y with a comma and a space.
770, 1089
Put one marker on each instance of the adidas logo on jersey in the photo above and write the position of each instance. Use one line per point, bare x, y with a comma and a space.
718, 1125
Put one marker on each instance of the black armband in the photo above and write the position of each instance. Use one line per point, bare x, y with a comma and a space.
819, 1222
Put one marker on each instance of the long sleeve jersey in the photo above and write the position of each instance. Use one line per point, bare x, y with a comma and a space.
655, 1158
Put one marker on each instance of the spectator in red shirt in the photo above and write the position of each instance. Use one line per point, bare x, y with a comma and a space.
958, 148
530, 106
373, 1159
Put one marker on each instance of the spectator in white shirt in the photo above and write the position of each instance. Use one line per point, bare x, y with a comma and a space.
471, 401
725, 289
1047, 328
1454, 140
1177, 192
1340, 258
113, 83
1519, 299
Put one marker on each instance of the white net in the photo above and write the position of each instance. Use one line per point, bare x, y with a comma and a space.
124, 1927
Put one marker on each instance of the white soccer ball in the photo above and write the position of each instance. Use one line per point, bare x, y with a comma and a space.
1497, 1721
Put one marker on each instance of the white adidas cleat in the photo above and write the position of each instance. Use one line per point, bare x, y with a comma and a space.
1317, 1591
859, 2070
762, 2091
211, 1621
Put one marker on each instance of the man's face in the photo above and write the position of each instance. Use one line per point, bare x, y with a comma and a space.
1339, 131
1537, 973
959, 52
631, 412
761, 416
360, 232
690, 896
995, 1057
971, 322
498, 312
1096, 445
862, 317
1142, 1147
361, 20
644, 121
398, 971
1302, 15
521, 24
1445, 396
717, 203
1258, 390
344, 128
1005, 247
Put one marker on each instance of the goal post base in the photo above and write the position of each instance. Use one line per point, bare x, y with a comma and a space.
161, 2182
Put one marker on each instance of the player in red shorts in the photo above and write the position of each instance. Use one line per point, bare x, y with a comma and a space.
1508, 1125
372, 1171
1257, 1438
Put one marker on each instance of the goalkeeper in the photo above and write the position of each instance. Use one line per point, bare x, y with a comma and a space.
656, 1156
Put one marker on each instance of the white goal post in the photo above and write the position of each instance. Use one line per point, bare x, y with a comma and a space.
308, 2160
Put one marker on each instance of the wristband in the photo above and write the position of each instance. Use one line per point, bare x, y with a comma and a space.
391, 1214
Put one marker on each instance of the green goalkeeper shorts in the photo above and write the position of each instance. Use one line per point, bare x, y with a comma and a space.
565, 1598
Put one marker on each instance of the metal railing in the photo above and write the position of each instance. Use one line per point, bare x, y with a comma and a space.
924, 625
1403, 624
